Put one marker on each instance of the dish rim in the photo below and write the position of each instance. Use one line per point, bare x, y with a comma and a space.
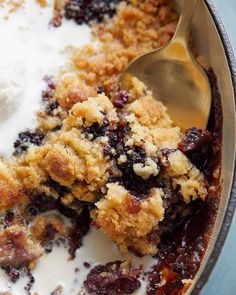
229, 213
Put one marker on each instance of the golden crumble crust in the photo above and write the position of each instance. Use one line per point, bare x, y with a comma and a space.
69, 158
90, 140
147, 110
126, 222
75, 157
11, 190
42, 223
28, 168
135, 29
149, 121
71, 90
76, 160
191, 181
59, 162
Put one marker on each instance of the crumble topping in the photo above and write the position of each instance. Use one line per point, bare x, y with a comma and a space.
128, 221
149, 168
82, 158
191, 181
136, 28
11, 191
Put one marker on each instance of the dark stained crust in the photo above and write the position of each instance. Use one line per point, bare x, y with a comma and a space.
232, 200
186, 230
113, 278
215, 126
183, 235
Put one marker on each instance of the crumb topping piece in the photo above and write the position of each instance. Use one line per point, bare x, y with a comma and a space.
190, 180
128, 221
17, 248
11, 190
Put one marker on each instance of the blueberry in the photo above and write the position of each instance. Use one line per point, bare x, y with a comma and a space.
122, 100
26, 138
85, 11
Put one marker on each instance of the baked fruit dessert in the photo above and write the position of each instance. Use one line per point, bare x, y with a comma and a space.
112, 160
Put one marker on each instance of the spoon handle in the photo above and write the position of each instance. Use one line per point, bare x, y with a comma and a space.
183, 27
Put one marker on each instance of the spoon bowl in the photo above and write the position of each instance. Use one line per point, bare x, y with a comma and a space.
175, 77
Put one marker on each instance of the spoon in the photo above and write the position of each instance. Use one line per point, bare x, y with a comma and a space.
175, 77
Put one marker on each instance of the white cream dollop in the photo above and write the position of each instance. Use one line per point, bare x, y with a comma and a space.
56, 269
30, 49
11, 90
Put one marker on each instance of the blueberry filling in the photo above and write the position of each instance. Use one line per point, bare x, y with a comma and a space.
110, 279
197, 145
26, 138
85, 11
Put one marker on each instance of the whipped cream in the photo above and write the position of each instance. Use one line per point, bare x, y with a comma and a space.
30, 49
55, 269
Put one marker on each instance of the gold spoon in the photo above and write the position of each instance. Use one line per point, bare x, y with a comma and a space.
175, 77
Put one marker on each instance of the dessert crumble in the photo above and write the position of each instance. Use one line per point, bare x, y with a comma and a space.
113, 160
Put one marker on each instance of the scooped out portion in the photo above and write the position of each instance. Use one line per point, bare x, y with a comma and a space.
124, 160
